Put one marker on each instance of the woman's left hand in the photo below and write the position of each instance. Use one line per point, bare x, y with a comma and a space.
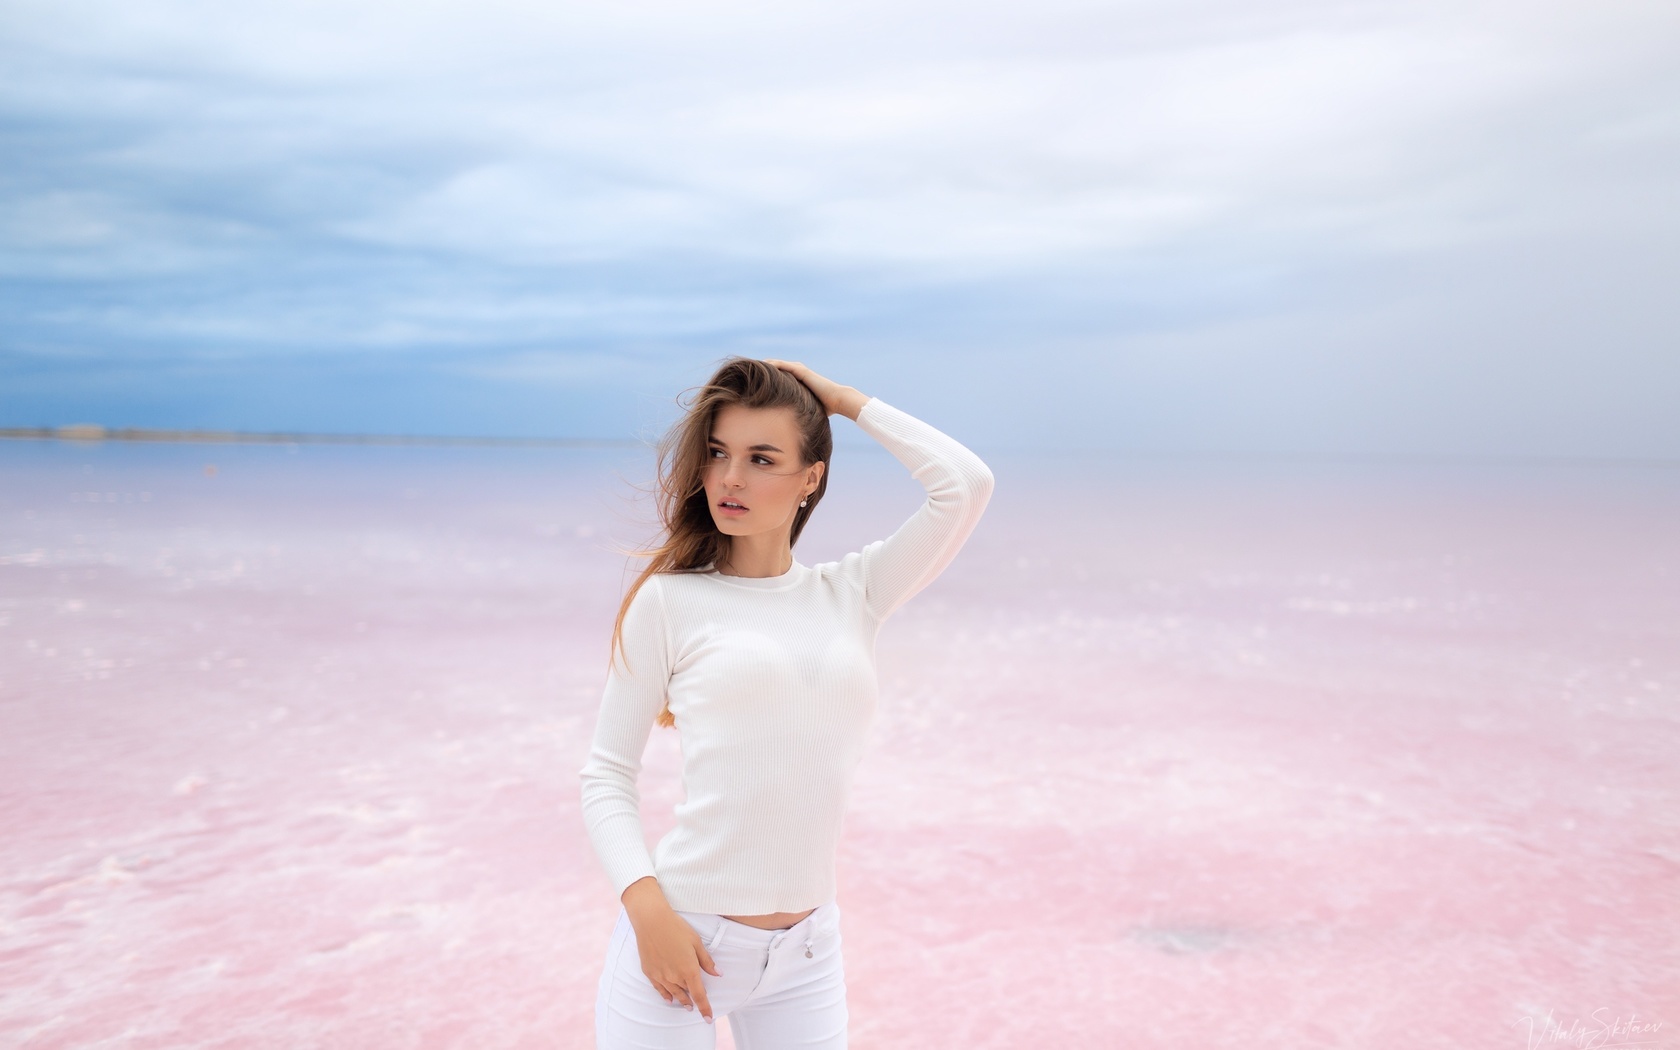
846, 400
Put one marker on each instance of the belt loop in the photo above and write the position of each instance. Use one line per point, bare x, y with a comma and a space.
718, 936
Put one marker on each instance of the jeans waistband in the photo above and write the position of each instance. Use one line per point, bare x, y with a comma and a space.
716, 929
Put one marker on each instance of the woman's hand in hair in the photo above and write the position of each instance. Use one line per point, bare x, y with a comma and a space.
848, 401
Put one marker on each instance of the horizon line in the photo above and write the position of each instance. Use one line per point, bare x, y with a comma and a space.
95, 432
90, 433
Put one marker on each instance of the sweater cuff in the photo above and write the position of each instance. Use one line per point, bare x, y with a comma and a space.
871, 409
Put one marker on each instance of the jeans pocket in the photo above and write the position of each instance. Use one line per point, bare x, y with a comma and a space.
705, 924
830, 925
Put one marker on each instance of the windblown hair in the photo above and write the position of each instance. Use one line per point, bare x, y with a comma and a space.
690, 539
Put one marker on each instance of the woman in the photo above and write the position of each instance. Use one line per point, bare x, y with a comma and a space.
766, 669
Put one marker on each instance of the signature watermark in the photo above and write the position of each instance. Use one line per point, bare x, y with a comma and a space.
1601, 1032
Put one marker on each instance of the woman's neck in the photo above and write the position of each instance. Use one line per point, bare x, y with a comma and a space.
756, 559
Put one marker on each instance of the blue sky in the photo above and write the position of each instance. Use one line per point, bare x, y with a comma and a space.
1204, 226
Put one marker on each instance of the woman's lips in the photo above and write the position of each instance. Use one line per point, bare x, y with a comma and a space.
728, 511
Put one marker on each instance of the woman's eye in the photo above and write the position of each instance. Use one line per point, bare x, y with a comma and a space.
763, 461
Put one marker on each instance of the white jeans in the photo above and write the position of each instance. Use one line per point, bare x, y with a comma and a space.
779, 988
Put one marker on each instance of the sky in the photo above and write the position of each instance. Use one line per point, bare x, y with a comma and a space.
1203, 226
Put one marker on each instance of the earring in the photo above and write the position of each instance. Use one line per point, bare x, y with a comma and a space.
803, 502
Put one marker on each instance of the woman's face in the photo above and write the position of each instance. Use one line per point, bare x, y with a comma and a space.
754, 476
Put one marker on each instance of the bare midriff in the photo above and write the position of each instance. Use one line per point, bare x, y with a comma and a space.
779, 920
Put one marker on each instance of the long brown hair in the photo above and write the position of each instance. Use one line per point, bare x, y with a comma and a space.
690, 540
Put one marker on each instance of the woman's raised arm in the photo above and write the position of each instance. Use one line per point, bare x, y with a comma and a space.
958, 484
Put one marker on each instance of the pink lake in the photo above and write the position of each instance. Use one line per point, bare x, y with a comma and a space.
1223, 755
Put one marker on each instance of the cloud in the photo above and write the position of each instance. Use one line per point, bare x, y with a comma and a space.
531, 181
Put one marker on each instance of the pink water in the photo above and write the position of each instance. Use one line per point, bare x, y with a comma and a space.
1232, 756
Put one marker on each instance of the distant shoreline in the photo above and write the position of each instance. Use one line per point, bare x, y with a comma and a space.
93, 432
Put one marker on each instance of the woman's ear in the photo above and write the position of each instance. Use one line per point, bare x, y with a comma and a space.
816, 474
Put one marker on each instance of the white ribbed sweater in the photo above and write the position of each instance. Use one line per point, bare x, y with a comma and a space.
772, 684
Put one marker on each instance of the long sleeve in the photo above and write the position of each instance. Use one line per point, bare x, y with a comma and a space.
958, 484
630, 704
